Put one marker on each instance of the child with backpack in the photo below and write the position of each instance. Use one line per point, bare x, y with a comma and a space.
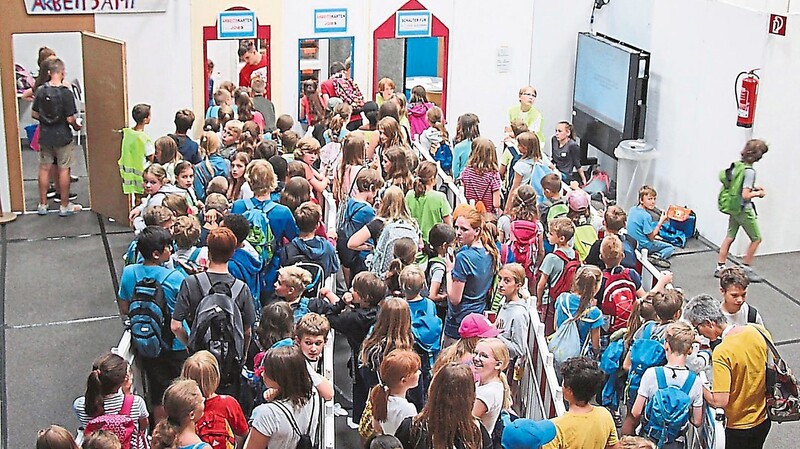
621, 286
733, 283
184, 179
147, 297
513, 318
576, 307
187, 255
270, 223
159, 216
467, 130
614, 220
554, 205
511, 155
156, 187
245, 264
309, 247
405, 253
481, 176
357, 213
736, 199
580, 214
427, 205
584, 426
525, 232
440, 242
392, 223
530, 169
223, 424
108, 402
184, 404
670, 396
425, 325
399, 372
644, 228
211, 165
290, 286
556, 271
184, 119
646, 348
436, 140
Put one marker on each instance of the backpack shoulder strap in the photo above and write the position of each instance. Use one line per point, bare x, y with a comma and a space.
770, 344
195, 254
127, 405
313, 410
249, 204
752, 314
661, 378
236, 288
647, 332
289, 416
268, 208
689, 383
204, 281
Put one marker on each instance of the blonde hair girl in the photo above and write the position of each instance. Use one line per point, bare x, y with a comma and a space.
513, 318
469, 276
156, 187
392, 208
530, 169
184, 405
167, 155
492, 394
397, 169
399, 372
426, 205
203, 368
389, 135
578, 303
307, 150
337, 124
350, 165
481, 178
212, 165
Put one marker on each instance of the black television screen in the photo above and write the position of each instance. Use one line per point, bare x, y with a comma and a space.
609, 99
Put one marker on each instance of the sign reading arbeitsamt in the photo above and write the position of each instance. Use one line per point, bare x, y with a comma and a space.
57, 7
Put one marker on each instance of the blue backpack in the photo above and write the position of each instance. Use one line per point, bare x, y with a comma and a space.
667, 412
149, 318
427, 329
610, 363
444, 156
538, 172
301, 310
646, 352
260, 235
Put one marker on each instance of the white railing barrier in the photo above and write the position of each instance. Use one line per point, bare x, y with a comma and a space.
327, 427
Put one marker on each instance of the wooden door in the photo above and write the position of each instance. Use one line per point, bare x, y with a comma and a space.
106, 97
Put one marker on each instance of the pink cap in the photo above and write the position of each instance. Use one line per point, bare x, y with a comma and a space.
577, 200
477, 325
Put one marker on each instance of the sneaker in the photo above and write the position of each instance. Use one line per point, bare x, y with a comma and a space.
51, 192
658, 262
752, 276
73, 178
615, 415
41, 209
69, 210
718, 270
72, 196
351, 424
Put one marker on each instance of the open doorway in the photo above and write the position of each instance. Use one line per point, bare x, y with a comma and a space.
26, 49
411, 48
315, 56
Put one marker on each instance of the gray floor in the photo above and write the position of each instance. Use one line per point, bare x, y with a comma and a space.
58, 312
30, 166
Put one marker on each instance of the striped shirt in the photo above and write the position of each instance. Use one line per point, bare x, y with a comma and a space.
481, 187
111, 405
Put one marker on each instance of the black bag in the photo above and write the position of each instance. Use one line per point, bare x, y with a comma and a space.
348, 257
51, 107
305, 441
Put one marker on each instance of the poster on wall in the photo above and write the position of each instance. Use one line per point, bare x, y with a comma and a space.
413, 24
58, 7
330, 20
237, 25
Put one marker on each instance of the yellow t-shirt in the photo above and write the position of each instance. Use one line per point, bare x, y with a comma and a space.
593, 430
739, 368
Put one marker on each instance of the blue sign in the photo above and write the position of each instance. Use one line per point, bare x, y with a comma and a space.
413, 24
237, 25
330, 20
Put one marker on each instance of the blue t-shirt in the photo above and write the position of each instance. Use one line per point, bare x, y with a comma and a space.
362, 214
473, 266
460, 156
170, 282
640, 224
282, 225
592, 317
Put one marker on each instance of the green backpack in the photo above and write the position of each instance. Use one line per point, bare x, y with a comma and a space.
729, 200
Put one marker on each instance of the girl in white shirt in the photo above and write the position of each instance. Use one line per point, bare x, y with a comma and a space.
399, 372
492, 394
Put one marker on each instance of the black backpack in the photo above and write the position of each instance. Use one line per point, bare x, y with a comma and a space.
305, 441
149, 319
218, 328
51, 108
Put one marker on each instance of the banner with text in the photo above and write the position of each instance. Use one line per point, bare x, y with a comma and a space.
58, 7
237, 25
330, 20
413, 24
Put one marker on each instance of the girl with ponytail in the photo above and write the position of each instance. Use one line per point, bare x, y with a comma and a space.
399, 372
579, 303
350, 165
184, 405
107, 386
212, 165
492, 393
470, 273
337, 125
428, 206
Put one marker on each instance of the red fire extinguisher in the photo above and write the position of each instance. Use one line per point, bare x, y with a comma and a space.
746, 98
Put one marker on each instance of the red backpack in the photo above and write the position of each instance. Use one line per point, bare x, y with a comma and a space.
121, 424
618, 298
564, 282
214, 429
525, 246
348, 91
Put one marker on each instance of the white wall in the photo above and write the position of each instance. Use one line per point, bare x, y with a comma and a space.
67, 46
5, 196
159, 60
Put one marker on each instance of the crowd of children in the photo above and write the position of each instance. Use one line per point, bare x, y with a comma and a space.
225, 292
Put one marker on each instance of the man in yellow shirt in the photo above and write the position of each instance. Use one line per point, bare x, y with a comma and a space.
739, 369
583, 426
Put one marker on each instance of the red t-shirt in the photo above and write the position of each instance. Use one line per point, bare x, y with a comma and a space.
228, 407
327, 87
249, 72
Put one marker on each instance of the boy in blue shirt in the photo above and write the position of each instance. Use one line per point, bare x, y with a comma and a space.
155, 245
309, 247
189, 149
245, 264
644, 228
262, 180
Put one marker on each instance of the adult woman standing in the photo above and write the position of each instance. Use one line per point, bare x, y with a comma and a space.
567, 153
527, 113
470, 273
